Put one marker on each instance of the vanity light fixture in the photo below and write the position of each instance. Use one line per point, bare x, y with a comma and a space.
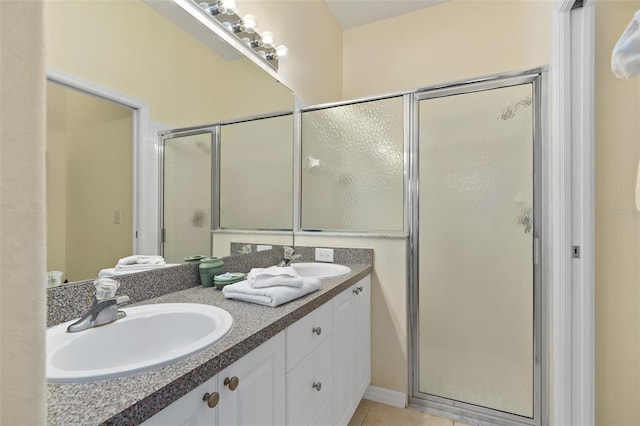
224, 13
277, 53
219, 7
254, 42
235, 27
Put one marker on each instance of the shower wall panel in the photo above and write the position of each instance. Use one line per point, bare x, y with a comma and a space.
352, 167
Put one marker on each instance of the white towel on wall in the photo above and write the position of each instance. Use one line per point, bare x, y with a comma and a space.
625, 59
275, 275
270, 296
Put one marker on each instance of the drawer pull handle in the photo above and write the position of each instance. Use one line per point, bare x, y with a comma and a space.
317, 386
232, 383
317, 330
356, 291
211, 399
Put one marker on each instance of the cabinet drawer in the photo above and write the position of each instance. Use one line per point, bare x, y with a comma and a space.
310, 385
307, 333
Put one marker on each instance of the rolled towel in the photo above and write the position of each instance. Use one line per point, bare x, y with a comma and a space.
274, 276
270, 296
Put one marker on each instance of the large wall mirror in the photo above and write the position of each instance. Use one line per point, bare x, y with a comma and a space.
133, 49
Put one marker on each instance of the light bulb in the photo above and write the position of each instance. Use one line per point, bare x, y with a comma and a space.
267, 38
282, 51
250, 23
229, 6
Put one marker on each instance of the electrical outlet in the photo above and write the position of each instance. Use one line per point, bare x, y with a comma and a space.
263, 248
116, 217
324, 255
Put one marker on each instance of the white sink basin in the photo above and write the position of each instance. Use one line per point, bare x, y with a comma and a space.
320, 270
149, 336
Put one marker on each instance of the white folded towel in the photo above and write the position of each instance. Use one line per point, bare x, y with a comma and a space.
625, 58
275, 275
114, 272
270, 296
137, 262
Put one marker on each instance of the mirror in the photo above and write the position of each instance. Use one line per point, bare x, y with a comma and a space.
130, 48
249, 165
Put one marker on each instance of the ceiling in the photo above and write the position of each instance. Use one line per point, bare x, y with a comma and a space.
352, 13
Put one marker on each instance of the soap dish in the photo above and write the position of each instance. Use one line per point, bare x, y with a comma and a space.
227, 278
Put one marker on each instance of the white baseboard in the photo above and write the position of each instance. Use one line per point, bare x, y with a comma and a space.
386, 396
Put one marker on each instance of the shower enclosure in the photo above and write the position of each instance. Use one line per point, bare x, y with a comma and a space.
476, 264
456, 169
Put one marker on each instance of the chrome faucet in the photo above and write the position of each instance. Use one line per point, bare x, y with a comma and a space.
104, 308
288, 257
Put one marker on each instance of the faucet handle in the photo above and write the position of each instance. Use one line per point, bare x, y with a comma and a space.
106, 288
288, 252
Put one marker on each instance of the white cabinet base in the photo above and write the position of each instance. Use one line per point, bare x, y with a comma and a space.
317, 375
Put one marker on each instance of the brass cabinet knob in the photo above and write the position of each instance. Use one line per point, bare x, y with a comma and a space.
211, 399
232, 383
317, 330
317, 386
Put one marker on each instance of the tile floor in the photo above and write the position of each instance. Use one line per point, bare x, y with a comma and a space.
371, 413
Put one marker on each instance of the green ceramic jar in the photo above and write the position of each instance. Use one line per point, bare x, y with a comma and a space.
209, 267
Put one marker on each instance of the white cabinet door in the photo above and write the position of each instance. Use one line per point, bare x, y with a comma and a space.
351, 348
259, 398
309, 386
344, 331
191, 409
363, 337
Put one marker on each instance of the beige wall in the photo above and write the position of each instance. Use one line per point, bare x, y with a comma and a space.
22, 214
451, 41
313, 69
617, 222
99, 181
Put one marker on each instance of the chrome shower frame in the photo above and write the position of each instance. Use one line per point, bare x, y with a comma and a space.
448, 407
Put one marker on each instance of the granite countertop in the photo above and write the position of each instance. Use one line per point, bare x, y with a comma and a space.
132, 399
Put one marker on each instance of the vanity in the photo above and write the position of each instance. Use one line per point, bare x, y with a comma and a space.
304, 362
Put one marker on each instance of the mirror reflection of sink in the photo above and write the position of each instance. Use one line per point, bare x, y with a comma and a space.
149, 336
320, 270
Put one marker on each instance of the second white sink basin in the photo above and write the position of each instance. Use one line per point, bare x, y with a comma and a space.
149, 336
320, 270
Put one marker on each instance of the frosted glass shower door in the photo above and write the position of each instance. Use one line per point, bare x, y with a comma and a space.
186, 197
475, 265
